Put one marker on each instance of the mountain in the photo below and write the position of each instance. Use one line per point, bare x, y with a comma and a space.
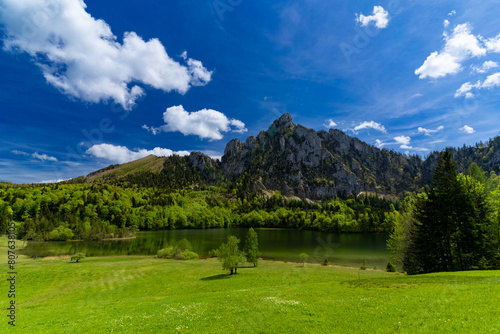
296, 161
302, 162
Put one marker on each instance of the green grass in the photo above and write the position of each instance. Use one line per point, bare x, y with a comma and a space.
147, 295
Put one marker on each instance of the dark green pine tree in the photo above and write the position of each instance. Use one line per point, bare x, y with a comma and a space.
448, 233
252, 247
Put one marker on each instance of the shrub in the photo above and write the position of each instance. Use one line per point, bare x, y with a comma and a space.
391, 268
213, 253
187, 255
363, 266
303, 257
325, 263
166, 253
182, 251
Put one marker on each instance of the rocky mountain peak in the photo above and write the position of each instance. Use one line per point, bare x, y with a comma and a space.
284, 122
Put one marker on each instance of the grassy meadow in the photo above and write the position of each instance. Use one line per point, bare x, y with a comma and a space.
136, 294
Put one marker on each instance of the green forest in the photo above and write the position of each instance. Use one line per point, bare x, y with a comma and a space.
98, 211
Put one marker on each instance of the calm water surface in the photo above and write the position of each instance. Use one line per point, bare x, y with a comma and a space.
274, 244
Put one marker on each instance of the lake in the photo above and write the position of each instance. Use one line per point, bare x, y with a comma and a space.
274, 244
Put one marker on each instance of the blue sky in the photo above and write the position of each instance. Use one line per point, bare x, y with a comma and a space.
85, 84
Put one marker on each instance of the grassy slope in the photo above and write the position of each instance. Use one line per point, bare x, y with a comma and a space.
148, 295
150, 163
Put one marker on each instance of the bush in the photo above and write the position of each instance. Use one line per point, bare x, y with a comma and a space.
213, 253
166, 253
325, 263
363, 267
187, 255
391, 268
182, 251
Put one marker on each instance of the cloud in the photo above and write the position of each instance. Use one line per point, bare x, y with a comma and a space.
460, 46
452, 13
205, 123
20, 152
122, 154
80, 56
466, 89
428, 132
487, 65
466, 129
370, 125
380, 17
493, 44
53, 181
379, 143
492, 81
330, 124
43, 157
403, 142
446, 23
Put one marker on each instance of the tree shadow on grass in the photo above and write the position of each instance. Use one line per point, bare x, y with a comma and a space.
215, 277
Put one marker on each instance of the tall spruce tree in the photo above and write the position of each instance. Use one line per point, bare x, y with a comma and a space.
252, 247
448, 232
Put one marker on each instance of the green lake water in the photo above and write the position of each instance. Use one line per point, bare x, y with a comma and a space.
274, 244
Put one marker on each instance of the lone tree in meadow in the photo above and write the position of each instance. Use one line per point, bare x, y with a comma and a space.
230, 255
77, 257
252, 247
303, 257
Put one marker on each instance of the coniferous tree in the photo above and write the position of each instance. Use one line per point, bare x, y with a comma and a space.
252, 246
450, 219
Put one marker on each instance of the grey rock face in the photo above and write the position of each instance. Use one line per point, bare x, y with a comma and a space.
299, 161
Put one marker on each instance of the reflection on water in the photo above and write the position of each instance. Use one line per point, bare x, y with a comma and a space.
277, 244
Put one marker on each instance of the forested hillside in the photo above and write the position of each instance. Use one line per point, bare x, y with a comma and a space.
61, 212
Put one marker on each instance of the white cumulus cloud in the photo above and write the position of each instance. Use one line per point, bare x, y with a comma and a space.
428, 132
80, 56
380, 17
466, 129
403, 142
205, 123
459, 46
121, 154
493, 44
487, 65
330, 123
370, 125
466, 88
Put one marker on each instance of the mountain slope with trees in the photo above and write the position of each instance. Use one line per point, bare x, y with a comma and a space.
297, 162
